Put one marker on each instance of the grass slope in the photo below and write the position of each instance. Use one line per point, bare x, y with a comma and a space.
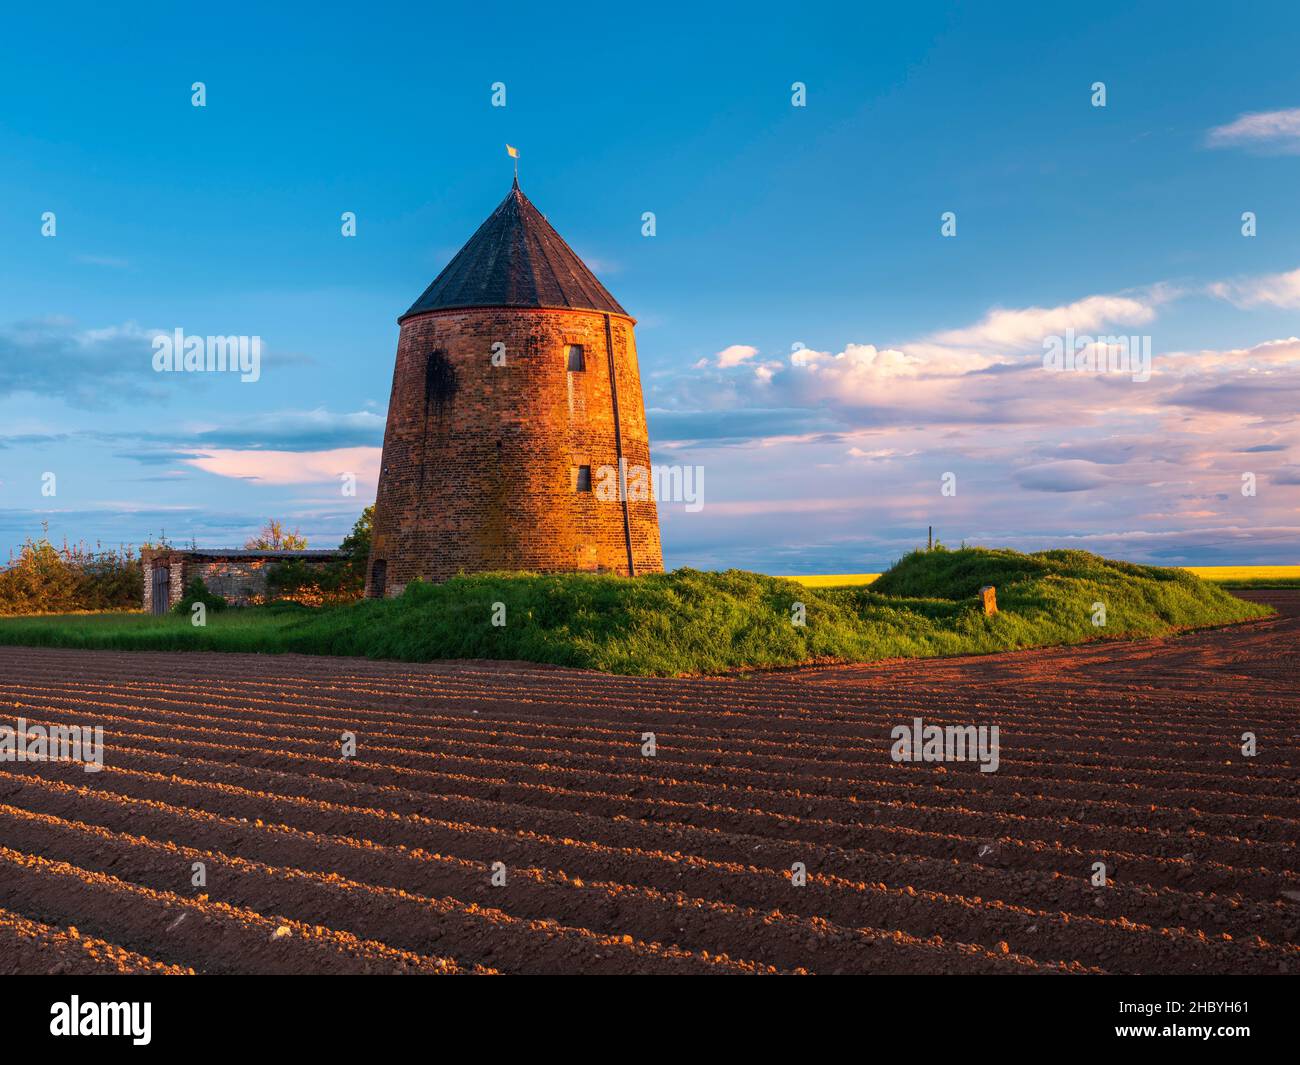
1224, 576
693, 622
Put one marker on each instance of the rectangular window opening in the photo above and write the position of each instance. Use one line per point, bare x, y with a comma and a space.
584, 478
577, 362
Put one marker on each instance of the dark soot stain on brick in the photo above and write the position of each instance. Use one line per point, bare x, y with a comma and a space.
439, 381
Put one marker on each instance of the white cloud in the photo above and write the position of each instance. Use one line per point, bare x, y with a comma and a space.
879, 453
1023, 329
1268, 290
1261, 358
1275, 129
860, 370
931, 374
735, 354
864, 430
86, 367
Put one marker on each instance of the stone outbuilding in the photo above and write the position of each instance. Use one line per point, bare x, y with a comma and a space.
237, 575
516, 404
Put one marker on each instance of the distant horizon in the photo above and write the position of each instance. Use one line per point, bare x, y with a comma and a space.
1011, 273
187, 544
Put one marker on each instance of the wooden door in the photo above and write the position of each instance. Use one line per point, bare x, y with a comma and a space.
161, 589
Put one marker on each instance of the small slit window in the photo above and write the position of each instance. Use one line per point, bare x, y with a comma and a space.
575, 358
584, 478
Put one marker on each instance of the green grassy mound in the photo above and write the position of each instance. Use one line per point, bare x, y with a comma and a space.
694, 622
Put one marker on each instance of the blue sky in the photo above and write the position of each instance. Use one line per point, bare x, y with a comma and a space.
776, 226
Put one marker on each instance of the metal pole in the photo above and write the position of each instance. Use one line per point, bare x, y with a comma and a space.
618, 448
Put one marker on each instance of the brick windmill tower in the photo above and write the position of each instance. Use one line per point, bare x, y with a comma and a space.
516, 399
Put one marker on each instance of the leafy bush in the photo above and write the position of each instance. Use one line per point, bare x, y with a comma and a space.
44, 579
197, 592
342, 581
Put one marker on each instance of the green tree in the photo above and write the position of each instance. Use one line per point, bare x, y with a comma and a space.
357, 542
275, 536
339, 582
44, 579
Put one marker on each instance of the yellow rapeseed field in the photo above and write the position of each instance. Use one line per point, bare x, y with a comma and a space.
835, 580
1209, 573
1244, 573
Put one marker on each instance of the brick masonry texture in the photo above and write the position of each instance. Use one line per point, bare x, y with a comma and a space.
241, 580
480, 461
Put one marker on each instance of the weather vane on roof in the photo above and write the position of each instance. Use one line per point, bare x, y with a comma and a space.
514, 154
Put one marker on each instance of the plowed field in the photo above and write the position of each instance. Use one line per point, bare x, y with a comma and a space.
1127, 754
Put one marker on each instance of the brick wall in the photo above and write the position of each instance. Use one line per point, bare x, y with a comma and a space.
479, 463
238, 579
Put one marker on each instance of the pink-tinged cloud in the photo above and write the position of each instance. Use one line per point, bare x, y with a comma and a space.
749, 508
841, 454
1023, 329
292, 467
1271, 290
1279, 130
865, 386
1271, 355
1071, 475
735, 355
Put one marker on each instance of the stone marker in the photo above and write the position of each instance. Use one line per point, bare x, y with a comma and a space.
989, 600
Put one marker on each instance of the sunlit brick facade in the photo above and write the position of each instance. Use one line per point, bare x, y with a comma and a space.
502, 417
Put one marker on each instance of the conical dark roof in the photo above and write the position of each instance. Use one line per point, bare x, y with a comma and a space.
516, 259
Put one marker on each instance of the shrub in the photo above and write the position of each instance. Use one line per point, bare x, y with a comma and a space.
342, 581
44, 579
197, 592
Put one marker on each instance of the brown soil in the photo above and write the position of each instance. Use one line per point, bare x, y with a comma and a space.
1122, 753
